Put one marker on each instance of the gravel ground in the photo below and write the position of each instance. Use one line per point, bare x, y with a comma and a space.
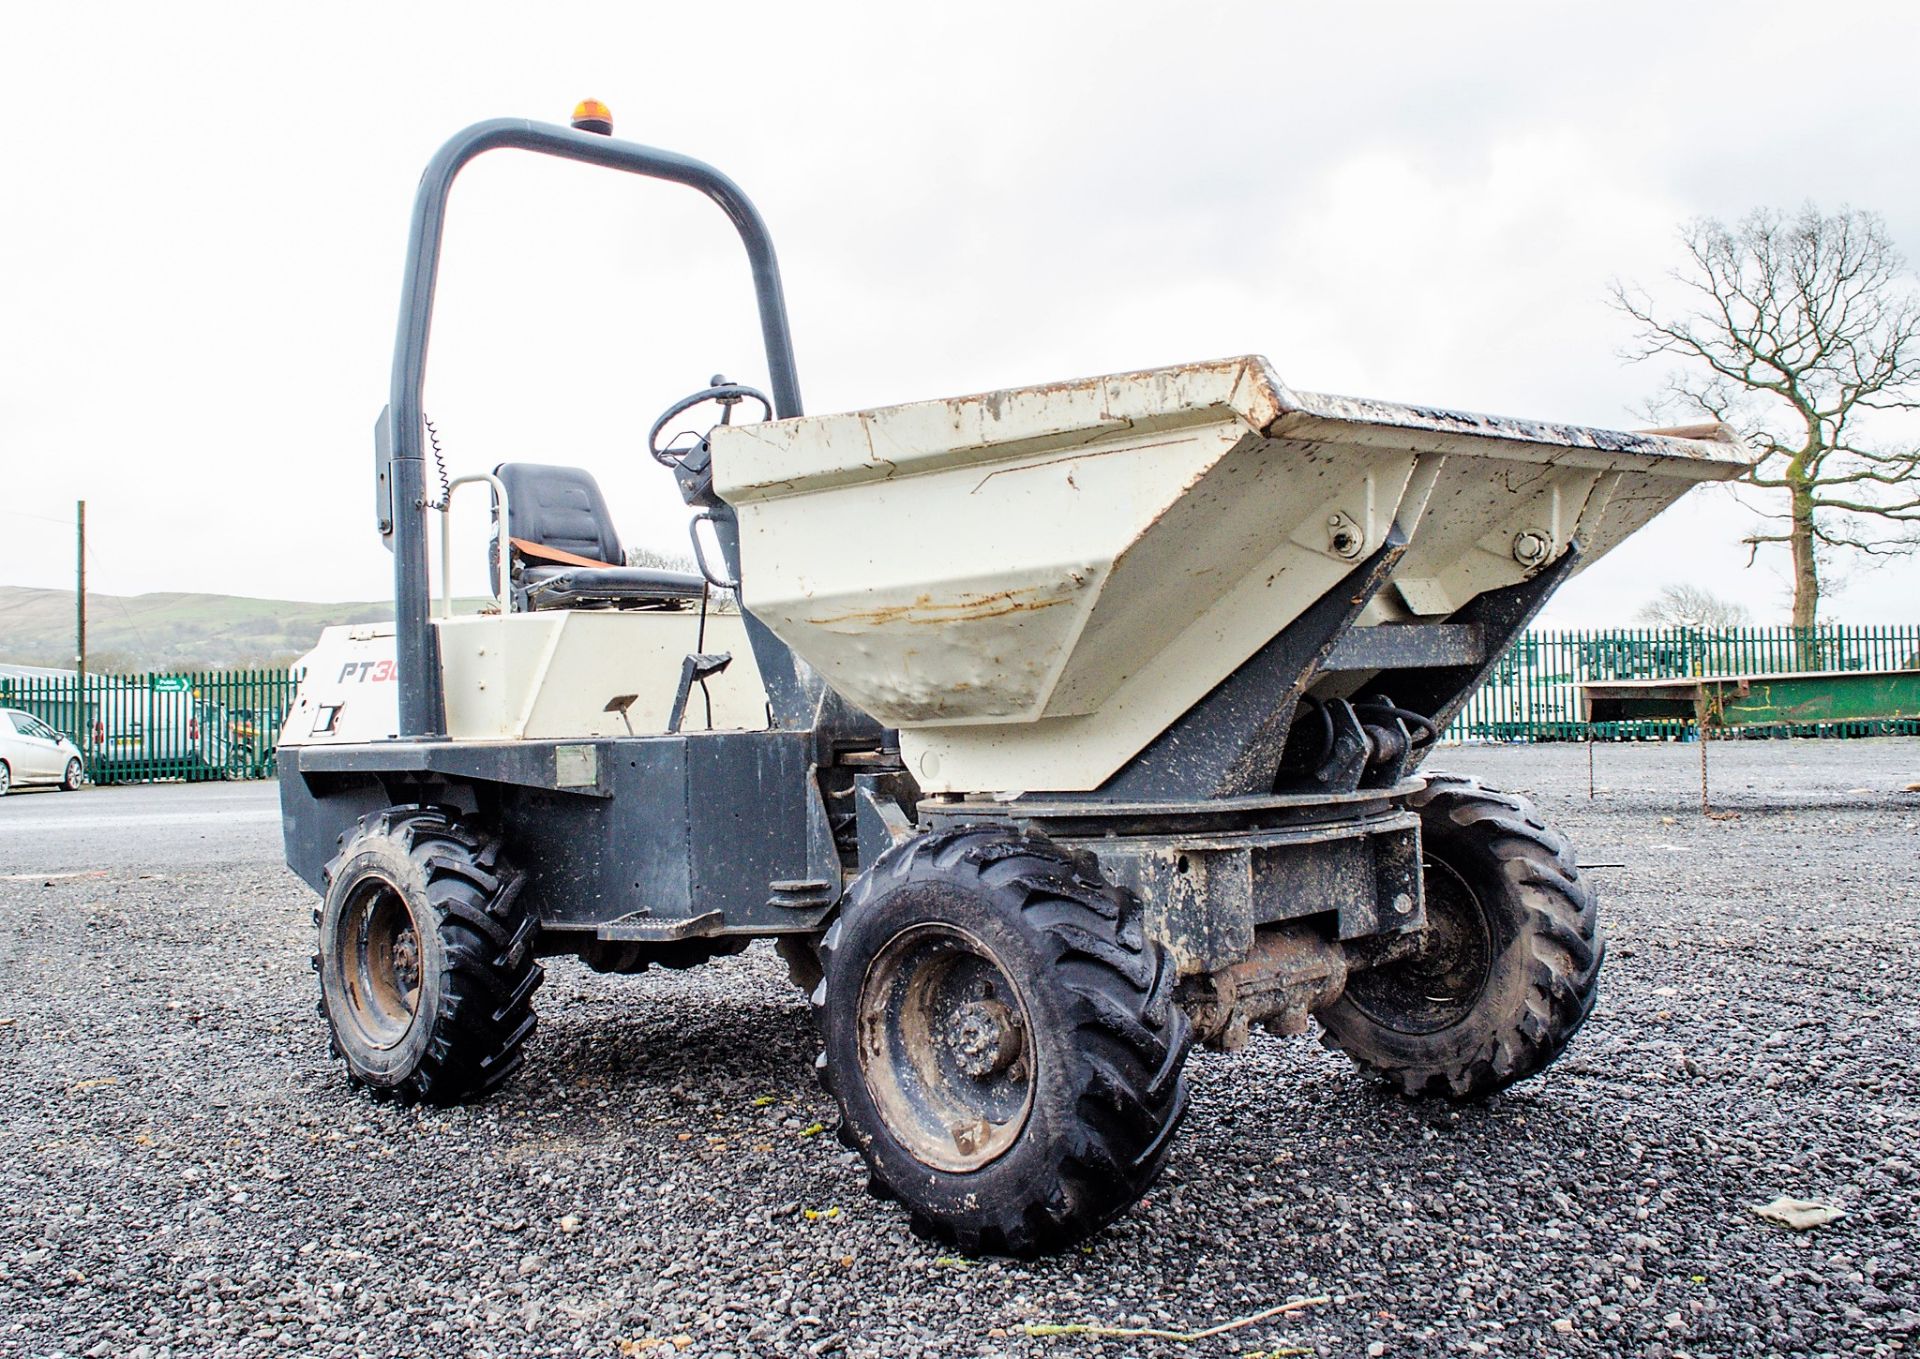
183, 1172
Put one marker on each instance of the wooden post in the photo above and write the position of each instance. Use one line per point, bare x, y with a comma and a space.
1702, 714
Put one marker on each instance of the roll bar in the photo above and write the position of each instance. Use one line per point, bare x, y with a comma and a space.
422, 705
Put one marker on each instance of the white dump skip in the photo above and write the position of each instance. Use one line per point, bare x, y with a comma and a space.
1032, 584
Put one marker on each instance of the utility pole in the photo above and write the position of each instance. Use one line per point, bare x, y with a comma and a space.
82, 728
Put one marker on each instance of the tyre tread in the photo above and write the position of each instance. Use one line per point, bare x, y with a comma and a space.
1559, 928
491, 974
1130, 1039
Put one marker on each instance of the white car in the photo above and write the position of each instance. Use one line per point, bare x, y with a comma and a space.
33, 752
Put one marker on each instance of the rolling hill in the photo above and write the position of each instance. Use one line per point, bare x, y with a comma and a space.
164, 631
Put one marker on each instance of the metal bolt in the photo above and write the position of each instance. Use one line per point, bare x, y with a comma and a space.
1344, 537
1531, 548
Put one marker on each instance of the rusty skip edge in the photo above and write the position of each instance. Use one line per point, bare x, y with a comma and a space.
1712, 451
1246, 385
1010, 419
925, 436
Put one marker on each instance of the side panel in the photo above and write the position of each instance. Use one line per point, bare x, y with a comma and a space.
672, 837
756, 821
553, 674
590, 860
561, 673
689, 828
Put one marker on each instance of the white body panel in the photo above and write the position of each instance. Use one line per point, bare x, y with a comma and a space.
554, 673
530, 675
1033, 584
348, 691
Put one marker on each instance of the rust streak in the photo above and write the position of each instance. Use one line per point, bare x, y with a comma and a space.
924, 610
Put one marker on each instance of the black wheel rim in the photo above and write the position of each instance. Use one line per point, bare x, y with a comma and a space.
1439, 986
380, 963
946, 1048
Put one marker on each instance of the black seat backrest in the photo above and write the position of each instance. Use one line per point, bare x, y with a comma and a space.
561, 508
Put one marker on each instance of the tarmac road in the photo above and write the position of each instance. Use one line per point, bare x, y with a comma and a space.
161, 825
183, 1170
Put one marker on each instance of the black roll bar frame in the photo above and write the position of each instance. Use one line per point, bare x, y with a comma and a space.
421, 698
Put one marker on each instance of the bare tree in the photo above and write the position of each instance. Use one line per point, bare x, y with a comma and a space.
660, 560
1689, 606
720, 601
1801, 330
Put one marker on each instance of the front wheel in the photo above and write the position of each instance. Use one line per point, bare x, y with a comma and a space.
70, 780
1508, 968
426, 960
6, 778
1002, 1040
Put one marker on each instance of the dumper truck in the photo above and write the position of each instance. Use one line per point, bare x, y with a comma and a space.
1044, 732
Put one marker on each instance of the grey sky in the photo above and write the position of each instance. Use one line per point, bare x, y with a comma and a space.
206, 208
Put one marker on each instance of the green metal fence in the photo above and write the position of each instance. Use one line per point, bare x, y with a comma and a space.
218, 724
222, 724
1534, 694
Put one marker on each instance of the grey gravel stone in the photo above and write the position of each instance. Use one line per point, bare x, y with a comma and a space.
184, 1172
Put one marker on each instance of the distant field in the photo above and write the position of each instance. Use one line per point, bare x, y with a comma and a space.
156, 631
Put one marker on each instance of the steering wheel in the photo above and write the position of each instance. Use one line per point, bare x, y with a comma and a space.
727, 394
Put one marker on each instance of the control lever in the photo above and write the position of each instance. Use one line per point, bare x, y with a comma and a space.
696, 669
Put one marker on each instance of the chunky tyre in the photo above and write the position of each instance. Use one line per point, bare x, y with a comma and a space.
71, 777
426, 961
1508, 969
1002, 1040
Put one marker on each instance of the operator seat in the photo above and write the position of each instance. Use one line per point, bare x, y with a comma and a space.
566, 553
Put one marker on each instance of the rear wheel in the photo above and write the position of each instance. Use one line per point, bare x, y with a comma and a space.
426, 961
1002, 1040
70, 780
1509, 965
